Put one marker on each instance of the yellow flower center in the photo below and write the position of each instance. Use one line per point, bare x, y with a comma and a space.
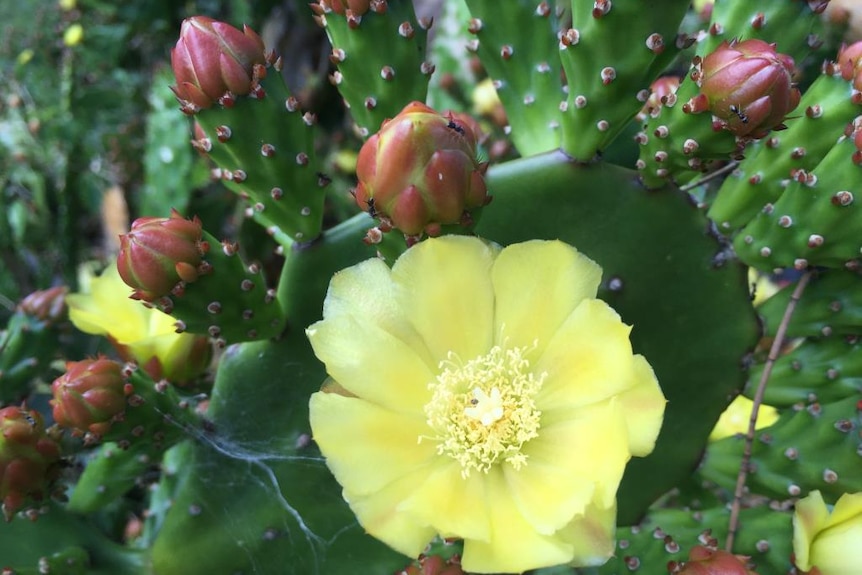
483, 411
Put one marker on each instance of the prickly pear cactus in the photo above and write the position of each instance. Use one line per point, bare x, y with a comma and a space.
455, 331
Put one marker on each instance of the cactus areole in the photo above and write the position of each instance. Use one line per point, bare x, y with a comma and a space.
212, 59
747, 85
420, 171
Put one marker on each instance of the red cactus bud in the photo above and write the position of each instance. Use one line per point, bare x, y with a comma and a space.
709, 561
46, 305
89, 395
212, 58
748, 86
421, 169
28, 458
660, 90
158, 253
850, 63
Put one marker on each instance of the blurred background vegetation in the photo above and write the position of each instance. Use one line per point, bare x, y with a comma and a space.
91, 136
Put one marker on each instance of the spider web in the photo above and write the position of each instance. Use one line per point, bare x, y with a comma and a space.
251, 494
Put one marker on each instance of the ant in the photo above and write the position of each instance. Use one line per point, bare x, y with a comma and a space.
739, 113
453, 126
372, 211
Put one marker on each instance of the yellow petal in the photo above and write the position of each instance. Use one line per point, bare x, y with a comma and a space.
590, 442
107, 309
643, 406
372, 363
366, 292
809, 518
589, 358
514, 545
537, 284
444, 286
579, 457
592, 536
366, 447
379, 515
847, 508
838, 548
455, 506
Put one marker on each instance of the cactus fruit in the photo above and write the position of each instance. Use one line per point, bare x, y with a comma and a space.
29, 459
420, 172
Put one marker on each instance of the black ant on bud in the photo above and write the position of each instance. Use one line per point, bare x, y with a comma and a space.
372, 211
453, 126
739, 113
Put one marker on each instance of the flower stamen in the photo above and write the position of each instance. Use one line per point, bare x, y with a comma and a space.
483, 411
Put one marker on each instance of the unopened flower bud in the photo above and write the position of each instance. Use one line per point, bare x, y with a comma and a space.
212, 58
158, 253
748, 86
89, 395
28, 458
850, 64
46, 305
420, 170
708, 561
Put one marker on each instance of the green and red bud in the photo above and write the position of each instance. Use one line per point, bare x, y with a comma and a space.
850, 64
747, 85
90, 395
420, 171
159, 253
710, 561
46, 305
28, 458
661, 90
211, 59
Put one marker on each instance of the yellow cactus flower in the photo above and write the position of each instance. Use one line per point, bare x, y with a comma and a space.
735, 418
485, 394
828, 543
144, 334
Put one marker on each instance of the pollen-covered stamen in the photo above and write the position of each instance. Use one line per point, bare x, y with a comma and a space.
483, 411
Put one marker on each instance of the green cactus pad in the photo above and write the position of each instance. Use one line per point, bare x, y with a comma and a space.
610, 58
816, 447
831, 305
230, 302
254, 495
27, 346
380, 61
793, 26
669, 534
263, 146
815, 222
517, 45
822, 370
68, 544
110, 472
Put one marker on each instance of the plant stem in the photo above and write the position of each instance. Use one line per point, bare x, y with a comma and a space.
774, 350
